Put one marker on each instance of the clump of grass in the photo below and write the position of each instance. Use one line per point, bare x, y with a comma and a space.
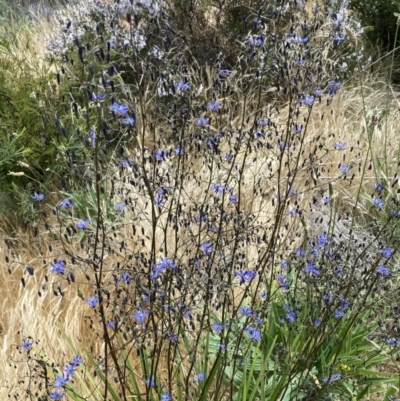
212, 238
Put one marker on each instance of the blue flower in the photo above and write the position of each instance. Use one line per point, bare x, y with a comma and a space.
334, 376
214, 106
344, 169
150, 382
282, 281
207, 247
182, 86
299, 39
317, 92
200, 377
202, 121
386, 252
166, 397
297, 128
334, 87
140, 315
284, 264
325, 200
218, 188
300, 252
160, 154
128, 120
225, 73
392, 342
378, 187
55, 395
263, 121
309, 100
38, 197
26, 345
82, 224
92, 137
290, 313
339, 313
339, 145
111, 324
294, 212
311, 268
337, 39
58, 267
246, 311
233, 198
179, 150
60, 381
379, 203
317, 322
69, 370
77, 361
383, 270
245, 275
322, 240
218, 327
126, 277
124, 163
254, 333
228, 157
92, 301
65, 203
120, 206
160, 267
119, 108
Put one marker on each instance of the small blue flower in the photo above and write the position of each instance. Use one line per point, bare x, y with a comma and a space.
284, 264
283, 144
60, 381
200, 377
26, 345
126, 277
92, 137
337, 39
118, 108
379, 203
386, 252
55, 395
309, 100
300, 252
344, 169
325, 200
82, 224
379, 187
120, 206
311, 268
128, 121
150, 382
228, 157
392, 342
233, 198
383, 270
322, 240
281, 278
179, 150
245, 275
334, 376
334, 87
290, 313
207, 247
339, 313
92, 301
246, 311
141, 315
124, 163
339, 145
202, 121
38, 197
111, 324
218, 327
317, 322
225, 73
77, 361
218, 188
69, 370
160, 154
166, 397
65, 203
182, 86
297, 128
317, 92
254, 333
294, 212
299, 39
214, 106
263, 121
58, 267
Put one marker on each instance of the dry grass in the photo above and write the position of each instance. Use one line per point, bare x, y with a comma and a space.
343, 120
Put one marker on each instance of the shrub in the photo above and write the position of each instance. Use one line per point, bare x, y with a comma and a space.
209, 249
